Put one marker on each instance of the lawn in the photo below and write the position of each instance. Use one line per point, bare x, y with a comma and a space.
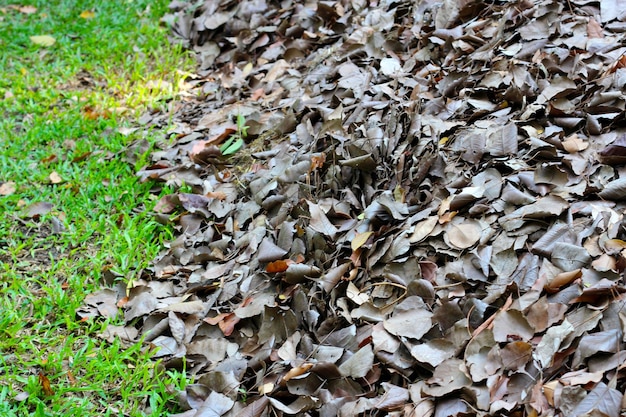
74, 78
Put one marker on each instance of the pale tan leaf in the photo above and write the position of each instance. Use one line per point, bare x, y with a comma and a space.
359, 240
355, 295
7, 188
463, 235
55, 178
27, 9
423, 229
43, 40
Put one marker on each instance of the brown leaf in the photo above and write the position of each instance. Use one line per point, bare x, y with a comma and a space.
515, 355
597, 292
268, 251
562, 279
411, 318
45, 385
215, 405
511, 324
463, 235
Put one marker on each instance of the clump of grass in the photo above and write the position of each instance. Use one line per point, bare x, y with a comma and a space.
61, 107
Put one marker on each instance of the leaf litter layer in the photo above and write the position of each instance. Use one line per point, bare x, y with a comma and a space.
427, 219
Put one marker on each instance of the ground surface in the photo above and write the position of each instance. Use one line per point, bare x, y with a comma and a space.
426, 217
430, 223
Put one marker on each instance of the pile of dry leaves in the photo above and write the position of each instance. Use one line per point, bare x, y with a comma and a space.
427, 219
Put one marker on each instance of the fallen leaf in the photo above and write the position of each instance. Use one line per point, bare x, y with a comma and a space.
297, 371
353, 293
319, 222
27, 9
359, 364
601, 399
7, 188
87, 14
463, 235
216, 405
411, 318
359, 240
55, 178
278, 266
45, 385
43, 40
225, 321
390, 66
256, 408
38, 209
423, 229
50, 158
515, 355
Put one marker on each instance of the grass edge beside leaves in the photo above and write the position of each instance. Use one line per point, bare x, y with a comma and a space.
62, 106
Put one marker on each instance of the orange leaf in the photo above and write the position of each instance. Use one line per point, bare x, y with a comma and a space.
317, 161
93, 113
257, 94
446, 217
278, 266
218, 195
620, 63
227, 326
297, 371
246, 301
122, 302
561, 280
217, 319
45, 384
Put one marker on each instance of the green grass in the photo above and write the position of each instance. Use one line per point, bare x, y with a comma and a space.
52, 124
